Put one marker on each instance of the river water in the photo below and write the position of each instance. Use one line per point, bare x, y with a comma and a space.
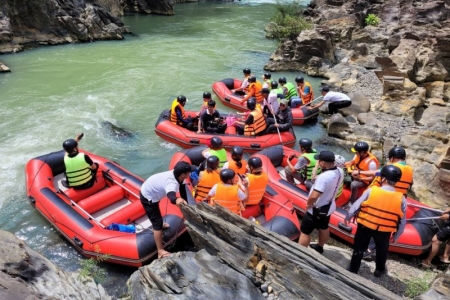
53, 93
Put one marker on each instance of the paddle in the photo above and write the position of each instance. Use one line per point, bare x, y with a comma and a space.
276, 123
425, 218
313, 101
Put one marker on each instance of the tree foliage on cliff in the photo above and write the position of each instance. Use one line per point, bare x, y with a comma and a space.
290, 21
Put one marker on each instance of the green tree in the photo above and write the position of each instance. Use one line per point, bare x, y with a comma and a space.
289, 20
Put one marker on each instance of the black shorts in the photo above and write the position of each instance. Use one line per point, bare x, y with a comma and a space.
153, 212
443, 234
311, 222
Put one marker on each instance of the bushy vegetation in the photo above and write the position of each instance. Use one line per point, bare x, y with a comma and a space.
290, 21
418, 285
372, 20
90, 267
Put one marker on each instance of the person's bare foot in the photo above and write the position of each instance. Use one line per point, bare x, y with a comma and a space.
163, 254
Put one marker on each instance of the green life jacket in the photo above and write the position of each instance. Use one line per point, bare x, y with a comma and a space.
78, 171
291, 90
221, 154
278, 91
307, 171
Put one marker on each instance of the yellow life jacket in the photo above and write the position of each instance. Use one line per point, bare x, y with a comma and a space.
257, 187
206, 182
227, 196
259, 123
173, 113
382, 210
78, 171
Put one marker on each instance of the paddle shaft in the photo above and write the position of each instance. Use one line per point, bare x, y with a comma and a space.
313, 100
276, 123
425, 218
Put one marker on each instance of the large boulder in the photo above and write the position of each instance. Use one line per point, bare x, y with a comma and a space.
360, 104
161, 7
28, 275
271, 263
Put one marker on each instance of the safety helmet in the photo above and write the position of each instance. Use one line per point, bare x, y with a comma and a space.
226, 175
274, 84
397, 152
237, 152
252, 79
251, 104
216, 142
267, 75
282, 80
391, 173
299, 79
207, 95
212, 162
255, 162
181, 99
247, 71
305, 143
360, 146
70, 145
339, 161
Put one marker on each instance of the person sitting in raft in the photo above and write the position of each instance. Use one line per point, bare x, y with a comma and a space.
254, 124
302, 171
267, 82
236, 163
204, 107
289, 90
283, 119
336, 100
216, 148
177, 114
254, 91
80, 170
362, 161
257, 181
270, 104
305, 92
210, 120
276, 91
207, 178
442, 236
229, 193
242, 90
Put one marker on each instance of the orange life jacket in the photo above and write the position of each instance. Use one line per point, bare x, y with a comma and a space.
254, 90
242, 170
206, 182
405, 182
259, 123
308, 97
173, 113
257, 187
227, 196
382, 210
363, 165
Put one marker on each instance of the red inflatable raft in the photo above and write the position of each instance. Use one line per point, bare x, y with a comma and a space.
415, 240
82, 216
222, 89
187, 139
275, 212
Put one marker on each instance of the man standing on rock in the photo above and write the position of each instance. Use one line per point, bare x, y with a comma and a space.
321, 201
336, 100
381, 216
158, 186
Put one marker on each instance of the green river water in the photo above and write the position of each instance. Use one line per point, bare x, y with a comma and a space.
55, 92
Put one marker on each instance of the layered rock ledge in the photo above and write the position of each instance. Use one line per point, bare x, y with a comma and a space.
397, 74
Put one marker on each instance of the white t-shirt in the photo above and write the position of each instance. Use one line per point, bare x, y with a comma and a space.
159, 185
272, 99
335, 97
328, 184
244, 83
212, 192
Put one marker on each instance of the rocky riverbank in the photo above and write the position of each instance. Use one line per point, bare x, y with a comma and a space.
396, 73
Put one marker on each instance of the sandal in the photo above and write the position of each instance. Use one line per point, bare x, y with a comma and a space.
443, 260
421, 265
